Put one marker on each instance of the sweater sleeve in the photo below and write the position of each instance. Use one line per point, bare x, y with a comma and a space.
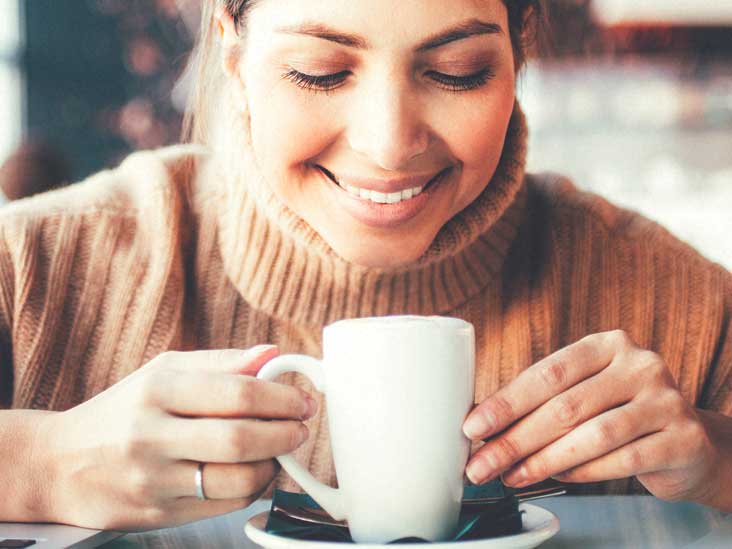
7, 285
717, 394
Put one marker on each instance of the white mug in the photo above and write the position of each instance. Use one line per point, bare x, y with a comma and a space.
397, 391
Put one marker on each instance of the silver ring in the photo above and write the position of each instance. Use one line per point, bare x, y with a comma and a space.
200, 494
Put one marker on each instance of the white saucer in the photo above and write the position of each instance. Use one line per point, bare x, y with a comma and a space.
539, 526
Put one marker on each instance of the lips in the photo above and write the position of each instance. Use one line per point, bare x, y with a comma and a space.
372, 211
329, 174
384, 186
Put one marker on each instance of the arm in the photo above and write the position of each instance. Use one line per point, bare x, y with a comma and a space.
601, 409
716, 406
719, 429
22, 472
23, 475
96, 467
604, 408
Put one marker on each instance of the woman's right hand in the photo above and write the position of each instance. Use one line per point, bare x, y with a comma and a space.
126, 459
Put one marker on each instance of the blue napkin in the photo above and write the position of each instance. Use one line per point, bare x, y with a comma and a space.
500, 518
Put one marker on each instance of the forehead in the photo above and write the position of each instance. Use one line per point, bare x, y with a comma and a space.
383, 23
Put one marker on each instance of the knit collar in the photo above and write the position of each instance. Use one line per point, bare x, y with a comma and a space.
282, 267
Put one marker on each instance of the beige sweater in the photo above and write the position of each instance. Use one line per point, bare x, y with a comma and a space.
173, 250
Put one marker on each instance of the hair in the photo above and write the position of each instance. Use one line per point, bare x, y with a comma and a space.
526, 20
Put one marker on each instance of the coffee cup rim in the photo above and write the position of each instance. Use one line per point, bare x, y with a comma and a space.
402, 321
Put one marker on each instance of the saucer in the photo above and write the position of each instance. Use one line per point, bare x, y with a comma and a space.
539, 526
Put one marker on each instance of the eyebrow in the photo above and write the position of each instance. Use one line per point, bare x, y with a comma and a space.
466, 29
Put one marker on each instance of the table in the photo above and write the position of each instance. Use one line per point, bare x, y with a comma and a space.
586, 522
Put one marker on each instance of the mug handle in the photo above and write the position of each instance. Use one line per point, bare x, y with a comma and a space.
328, 498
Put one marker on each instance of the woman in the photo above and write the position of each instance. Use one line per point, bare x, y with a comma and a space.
604, 345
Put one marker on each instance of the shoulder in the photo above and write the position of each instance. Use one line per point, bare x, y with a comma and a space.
134, 216
625, 249
139, 209
139, 183
561, 204
146, 200
624, 270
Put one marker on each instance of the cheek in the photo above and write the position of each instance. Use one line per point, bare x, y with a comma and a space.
478, 129
287, 128
477, 135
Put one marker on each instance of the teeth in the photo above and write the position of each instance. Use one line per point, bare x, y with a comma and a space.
393, 198
382, 198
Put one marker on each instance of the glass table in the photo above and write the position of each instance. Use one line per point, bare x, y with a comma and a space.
586, 522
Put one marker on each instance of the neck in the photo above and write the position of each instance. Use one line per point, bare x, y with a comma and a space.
282, 267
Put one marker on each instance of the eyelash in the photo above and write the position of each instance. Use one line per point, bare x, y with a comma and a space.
329, 82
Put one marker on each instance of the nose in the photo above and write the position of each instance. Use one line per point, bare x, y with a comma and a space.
388, 125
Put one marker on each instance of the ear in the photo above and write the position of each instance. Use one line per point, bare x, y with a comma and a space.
228, 38
230, 42
533, 33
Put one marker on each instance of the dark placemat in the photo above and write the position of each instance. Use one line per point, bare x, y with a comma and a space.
488, 520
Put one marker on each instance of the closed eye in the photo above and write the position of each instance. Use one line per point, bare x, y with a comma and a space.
463, 83
329, 82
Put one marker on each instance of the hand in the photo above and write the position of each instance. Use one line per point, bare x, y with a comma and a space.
126, 459
596, 410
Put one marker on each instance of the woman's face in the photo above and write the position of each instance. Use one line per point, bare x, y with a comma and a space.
377, 121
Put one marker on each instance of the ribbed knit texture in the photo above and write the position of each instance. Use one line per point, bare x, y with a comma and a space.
283, 267
174, 250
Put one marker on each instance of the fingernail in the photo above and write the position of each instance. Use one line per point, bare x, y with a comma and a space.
304, 433
479, 469
478, 425
476, 471
259, 350
311, 407
516, 478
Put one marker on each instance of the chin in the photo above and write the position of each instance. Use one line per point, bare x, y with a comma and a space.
380, 255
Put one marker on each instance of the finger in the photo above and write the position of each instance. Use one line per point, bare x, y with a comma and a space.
649, 454
220, 480
214, 394
593, 439
189, 509
230, 440
179, 511
542, 381
551, 421
232, 361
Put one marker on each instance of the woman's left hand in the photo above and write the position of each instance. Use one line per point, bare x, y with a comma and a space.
596, 410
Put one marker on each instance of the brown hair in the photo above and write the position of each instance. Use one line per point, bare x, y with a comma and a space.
525, 20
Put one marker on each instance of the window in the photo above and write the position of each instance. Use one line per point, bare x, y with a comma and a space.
634, 103
11, 78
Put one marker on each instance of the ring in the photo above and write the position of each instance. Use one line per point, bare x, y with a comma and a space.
200, 494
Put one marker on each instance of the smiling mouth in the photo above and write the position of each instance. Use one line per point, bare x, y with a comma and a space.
380, 197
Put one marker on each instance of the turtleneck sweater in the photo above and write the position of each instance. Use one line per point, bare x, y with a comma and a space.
264, 243
184, 249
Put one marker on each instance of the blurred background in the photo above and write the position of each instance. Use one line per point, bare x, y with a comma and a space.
632, 100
